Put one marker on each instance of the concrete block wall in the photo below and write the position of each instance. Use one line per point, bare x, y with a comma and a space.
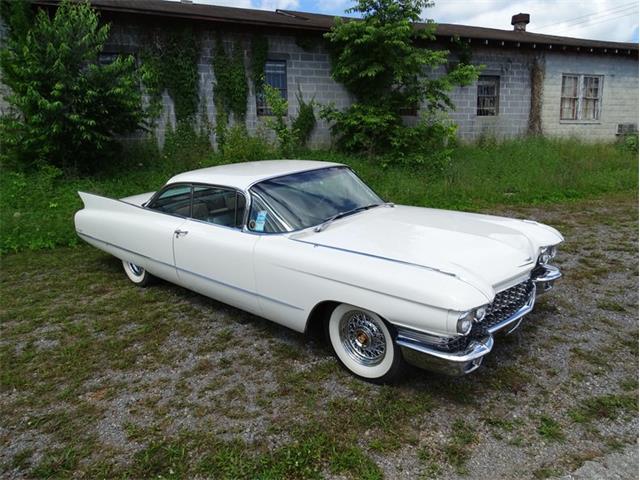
308, 75
308, 72
619, 94
514, 69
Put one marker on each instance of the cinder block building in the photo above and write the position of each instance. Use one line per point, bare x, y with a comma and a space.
530, 83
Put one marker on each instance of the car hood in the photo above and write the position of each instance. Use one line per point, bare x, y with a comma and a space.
489, 252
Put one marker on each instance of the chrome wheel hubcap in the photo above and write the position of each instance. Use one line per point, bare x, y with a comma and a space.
362, 338
138, 271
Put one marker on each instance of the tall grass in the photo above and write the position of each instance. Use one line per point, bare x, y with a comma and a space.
529, 171
37, 209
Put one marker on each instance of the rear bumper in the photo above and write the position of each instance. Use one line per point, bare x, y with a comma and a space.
423, 355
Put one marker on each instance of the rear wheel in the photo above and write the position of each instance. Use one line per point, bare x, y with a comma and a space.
136, 274
363, 344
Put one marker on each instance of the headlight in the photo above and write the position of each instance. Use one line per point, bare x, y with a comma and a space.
479, 314
467, 319
546, 255
465, 322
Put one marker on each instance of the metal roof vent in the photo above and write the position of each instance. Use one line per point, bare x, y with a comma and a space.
292, 14
520, 22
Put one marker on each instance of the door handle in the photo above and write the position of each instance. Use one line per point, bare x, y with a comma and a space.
180, 233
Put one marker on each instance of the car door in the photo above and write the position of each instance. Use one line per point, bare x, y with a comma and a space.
152, 231
213, 255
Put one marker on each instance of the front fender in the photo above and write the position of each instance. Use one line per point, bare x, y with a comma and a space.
303, 275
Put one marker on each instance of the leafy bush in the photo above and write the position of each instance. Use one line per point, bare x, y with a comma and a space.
277, 121
67, 106
305, 122
430, 143
185, 148
291, 137
242, 147
362, 128
33, 207
629, 143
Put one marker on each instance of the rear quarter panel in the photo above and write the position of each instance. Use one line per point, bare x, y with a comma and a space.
129, 232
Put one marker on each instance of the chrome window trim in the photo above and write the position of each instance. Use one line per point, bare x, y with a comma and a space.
145, 206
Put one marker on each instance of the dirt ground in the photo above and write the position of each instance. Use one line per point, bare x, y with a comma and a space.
101, 379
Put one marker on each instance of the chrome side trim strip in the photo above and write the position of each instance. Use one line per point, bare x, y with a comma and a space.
379, 257
204, 277
82, 234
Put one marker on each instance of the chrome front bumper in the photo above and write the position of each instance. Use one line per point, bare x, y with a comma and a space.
423, 355
545, 279
449, 363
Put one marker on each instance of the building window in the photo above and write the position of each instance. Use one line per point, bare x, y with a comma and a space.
275, 74
107, 58
581, 97
410, 110
488, 95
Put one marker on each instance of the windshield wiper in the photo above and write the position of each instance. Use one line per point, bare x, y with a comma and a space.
338, 215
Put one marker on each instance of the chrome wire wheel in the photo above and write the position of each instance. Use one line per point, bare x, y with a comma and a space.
362, 338
363, 343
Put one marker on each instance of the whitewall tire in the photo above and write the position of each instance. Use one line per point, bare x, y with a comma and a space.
136, 274
363, 343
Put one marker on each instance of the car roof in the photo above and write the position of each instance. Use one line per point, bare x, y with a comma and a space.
243, 175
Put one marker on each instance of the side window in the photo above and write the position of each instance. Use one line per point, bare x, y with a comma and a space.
174, 200
220, 206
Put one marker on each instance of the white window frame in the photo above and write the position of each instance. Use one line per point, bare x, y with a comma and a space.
582, 96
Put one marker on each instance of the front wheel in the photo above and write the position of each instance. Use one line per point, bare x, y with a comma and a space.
136, 274
363, 344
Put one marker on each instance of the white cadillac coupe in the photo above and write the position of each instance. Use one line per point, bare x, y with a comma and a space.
310, 246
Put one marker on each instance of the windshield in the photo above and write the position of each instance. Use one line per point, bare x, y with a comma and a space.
302, 200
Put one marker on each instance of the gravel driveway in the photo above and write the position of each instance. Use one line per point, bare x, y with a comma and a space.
101, 379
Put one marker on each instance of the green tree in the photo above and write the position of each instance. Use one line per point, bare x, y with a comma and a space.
67, 107
385, 63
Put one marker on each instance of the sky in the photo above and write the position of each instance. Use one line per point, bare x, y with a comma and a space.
615, 20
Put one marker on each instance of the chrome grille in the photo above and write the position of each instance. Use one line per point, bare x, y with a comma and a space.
504, 305
508, 302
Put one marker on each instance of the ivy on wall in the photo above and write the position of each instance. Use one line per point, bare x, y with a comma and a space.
259, 56
230, 89
537, 81
171, 63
